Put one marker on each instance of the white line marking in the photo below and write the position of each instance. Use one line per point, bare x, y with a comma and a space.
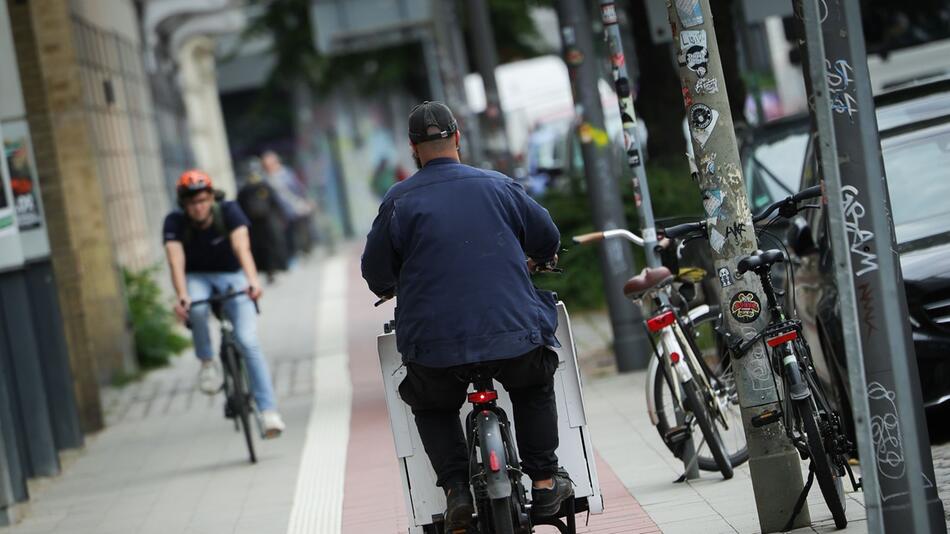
318, 500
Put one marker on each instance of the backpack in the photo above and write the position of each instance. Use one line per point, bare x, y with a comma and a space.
217, 222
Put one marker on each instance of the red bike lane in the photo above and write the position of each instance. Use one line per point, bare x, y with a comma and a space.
373, 500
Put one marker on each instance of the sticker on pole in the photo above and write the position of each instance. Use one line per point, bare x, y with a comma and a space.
695, 52
703, 121
608, 14
712, 203
690, 13
725, 277
745, 307
707, 86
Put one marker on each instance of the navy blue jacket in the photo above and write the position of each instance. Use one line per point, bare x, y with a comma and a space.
452, 241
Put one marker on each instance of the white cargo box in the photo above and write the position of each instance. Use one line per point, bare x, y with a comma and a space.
425, 500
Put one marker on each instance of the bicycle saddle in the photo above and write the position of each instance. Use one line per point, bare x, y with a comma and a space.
646, 280
760, 260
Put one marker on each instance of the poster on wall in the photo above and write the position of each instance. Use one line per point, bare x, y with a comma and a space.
6, 211
16, 150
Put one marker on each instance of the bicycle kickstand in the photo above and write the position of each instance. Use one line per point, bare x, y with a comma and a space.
569, 525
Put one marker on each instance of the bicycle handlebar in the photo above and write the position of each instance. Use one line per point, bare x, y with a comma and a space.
226, 296
594, 237
680, 230
549, 267
805, 194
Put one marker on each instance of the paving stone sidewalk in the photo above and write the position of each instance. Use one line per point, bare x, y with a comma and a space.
168, 461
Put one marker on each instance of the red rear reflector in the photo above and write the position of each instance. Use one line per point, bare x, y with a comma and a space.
782, 338
493, 462
659, 322
481, 397
675, 357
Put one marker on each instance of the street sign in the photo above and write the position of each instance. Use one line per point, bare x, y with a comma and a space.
347, 26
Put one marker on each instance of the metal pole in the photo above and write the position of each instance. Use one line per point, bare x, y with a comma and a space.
884, 379
630, 343
486, 59
631, 137
436, 89
773, 461
641, 187
454, 65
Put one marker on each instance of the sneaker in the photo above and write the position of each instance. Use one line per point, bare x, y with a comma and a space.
272, 423
209, 379
547, 502
459, 509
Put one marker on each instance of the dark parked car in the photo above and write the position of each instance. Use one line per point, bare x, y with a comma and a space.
914, 125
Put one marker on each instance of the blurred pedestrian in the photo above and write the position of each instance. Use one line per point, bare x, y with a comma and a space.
260, 204
295, 204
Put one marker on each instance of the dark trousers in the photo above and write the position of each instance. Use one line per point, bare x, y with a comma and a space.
436, 395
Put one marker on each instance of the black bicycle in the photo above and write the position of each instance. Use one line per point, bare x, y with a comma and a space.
239, 403
814, 428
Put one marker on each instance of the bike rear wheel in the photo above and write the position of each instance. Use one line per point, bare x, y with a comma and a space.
501, 516
707, 425
828, 481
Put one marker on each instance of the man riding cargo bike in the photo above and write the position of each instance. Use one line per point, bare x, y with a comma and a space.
452, 240
209, 253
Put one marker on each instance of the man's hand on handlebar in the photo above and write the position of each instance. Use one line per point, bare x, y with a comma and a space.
182, 307
535, 267
255, 292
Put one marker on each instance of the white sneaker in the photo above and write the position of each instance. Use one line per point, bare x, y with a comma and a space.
272, 423
209, 379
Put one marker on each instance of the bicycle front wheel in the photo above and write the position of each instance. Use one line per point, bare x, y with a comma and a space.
242, 399
830, 483
708, 427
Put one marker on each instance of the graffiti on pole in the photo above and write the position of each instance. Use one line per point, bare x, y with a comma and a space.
861, 239
841, 87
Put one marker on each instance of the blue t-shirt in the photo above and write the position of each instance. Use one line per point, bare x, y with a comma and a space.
207, 250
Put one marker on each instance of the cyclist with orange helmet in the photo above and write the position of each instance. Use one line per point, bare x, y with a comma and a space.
208, 250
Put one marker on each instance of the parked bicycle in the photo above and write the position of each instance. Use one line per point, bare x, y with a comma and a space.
239, 402
813, 427
684, 392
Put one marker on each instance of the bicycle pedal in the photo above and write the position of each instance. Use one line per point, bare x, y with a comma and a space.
766, 418
676, 435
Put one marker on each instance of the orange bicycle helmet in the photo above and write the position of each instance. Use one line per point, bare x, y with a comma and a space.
192, 182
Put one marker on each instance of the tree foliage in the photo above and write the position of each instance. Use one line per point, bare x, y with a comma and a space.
288, 25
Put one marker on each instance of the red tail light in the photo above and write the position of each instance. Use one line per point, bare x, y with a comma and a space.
661, 321
493, 462
782, 338
481, 397
675, 357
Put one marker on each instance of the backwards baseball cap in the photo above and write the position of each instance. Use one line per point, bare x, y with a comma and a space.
429, 114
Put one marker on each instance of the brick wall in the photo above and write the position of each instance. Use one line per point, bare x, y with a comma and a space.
87, 276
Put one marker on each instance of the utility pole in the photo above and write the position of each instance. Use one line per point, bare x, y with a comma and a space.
882, 368
641, 187
486, 59
773, 461
453, 63
431, 59
630, 344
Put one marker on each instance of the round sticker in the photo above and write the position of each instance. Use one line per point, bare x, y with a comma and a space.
745, 307
700, 116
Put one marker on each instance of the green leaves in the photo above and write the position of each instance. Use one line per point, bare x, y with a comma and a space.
153, 323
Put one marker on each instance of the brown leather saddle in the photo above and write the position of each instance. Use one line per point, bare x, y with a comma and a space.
648, 279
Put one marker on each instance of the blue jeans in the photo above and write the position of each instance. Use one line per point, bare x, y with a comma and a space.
240, 310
